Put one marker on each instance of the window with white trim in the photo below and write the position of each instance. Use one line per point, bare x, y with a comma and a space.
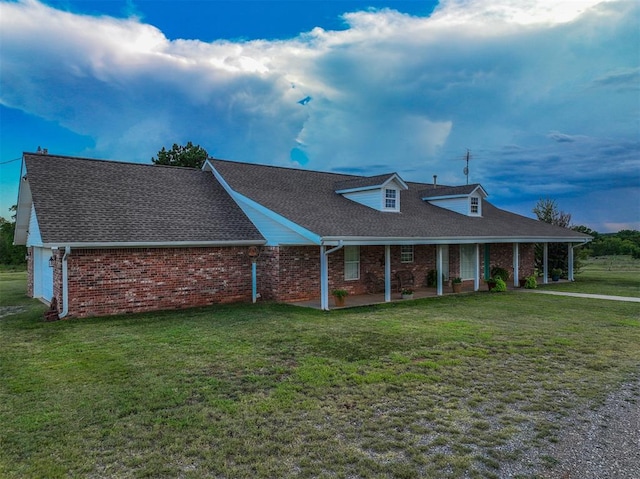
390, 199
475, 205
406, 253
351, 263
467, 261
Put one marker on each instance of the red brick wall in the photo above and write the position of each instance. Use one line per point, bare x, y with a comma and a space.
372, 262
112, 281
289, 273
501, 254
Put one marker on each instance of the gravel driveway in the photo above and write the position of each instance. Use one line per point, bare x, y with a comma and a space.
603, 443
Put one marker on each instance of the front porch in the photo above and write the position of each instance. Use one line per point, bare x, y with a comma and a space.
370, 299
358, 300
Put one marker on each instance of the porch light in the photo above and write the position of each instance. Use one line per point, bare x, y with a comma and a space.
52, 261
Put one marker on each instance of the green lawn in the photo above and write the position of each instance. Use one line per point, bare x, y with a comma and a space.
458, 386
611, 275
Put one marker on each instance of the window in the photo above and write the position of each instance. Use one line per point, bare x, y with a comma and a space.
467, 261
475, 205
390, 199
406, 253
351, 262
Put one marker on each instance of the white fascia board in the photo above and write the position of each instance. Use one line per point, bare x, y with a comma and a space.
400, 181
296, 228
361, 188
482, 191
160, 244
25, 201
373, 241
240, 199
443, 197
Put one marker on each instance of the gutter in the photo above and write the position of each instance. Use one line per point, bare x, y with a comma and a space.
65, 283
163, 244
372, 240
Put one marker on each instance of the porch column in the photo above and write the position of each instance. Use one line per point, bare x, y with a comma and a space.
545, 264
324, 279
570, 268
387, 273
476, 268
439, 270
516, 264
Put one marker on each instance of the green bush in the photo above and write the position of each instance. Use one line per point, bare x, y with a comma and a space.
531, 282
500, 285
498, 272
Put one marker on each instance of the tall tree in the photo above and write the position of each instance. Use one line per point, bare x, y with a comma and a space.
189, 155
10, 254
547, 210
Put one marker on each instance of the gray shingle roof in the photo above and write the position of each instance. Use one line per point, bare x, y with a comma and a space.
362, 182
438, 191
86, 201
308, 198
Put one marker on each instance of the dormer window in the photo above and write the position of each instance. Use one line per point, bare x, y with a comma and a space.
382, 192
475, 205
390, 199
465, 200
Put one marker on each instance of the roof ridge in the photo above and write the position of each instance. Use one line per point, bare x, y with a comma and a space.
291, 168
102, 160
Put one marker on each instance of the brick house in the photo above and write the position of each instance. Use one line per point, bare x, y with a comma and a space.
108, 237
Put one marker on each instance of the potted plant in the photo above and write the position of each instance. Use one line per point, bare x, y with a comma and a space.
340, 296
456, 284
407, 293
555, 274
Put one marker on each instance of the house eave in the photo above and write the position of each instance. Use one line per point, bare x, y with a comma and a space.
373, 241
152, 244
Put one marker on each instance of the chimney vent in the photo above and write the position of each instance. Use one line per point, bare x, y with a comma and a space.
435, 180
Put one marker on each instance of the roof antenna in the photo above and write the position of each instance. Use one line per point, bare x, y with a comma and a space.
466, 168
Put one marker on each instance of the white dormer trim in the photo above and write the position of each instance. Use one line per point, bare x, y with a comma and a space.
383, 196
392, 178
468, 204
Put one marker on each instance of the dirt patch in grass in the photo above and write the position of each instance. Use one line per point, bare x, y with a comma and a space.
9, 310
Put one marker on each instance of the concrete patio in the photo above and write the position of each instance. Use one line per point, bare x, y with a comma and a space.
357, 300
354, 301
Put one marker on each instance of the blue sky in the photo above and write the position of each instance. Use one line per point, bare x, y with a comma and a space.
544, 93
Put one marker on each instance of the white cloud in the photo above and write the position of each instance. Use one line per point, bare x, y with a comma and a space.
533, 88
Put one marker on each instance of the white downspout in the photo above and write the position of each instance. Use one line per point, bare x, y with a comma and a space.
65, 283
324, 275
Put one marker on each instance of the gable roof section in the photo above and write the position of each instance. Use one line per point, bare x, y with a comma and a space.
444, 192
95, 202
308, 198
362, 183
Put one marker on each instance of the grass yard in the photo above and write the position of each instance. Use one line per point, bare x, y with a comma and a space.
458, 386
612, 275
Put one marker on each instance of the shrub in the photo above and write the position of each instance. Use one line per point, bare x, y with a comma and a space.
531, 282
498, 272
500, 285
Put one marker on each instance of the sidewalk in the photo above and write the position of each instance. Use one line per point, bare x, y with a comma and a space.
630, 299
